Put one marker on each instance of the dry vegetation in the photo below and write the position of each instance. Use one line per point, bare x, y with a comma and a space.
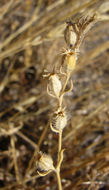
31, 40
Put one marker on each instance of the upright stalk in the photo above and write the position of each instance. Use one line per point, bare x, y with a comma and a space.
73, 34
58, 165
59, 144
59, 178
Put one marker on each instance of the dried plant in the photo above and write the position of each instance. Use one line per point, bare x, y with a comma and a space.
54, 126
56, 88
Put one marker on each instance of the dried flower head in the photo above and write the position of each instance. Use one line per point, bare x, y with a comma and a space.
45, 162
59, 120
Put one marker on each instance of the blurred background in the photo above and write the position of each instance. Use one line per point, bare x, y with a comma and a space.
31, 40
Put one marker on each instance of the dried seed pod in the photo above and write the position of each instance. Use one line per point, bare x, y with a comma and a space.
59, 120
45, 162
71, 61
75, 32
56, 84
70, 35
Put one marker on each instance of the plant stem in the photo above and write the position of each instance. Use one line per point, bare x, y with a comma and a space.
59, 178
63, 89
66, 81
59, 163
59, 144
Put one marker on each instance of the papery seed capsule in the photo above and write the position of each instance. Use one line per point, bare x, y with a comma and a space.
59, 120
70, 35
45, 162
71, 62
56, 84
